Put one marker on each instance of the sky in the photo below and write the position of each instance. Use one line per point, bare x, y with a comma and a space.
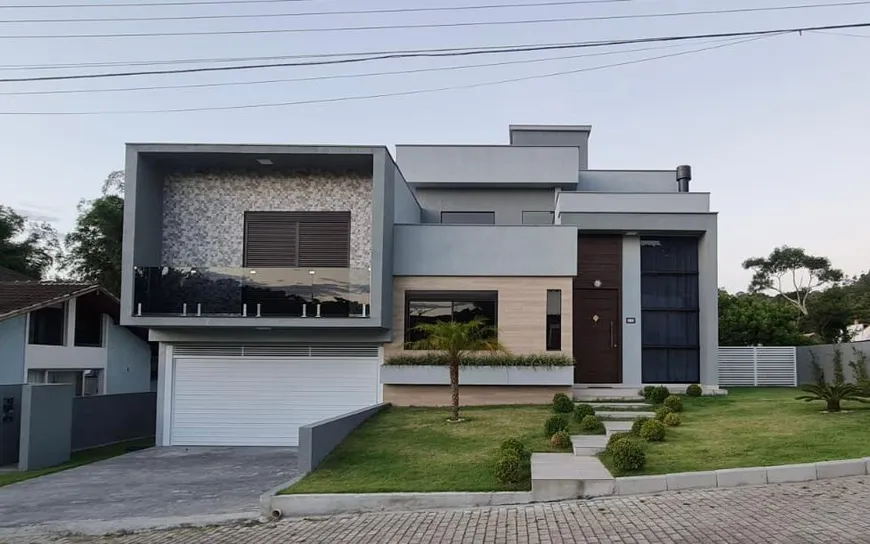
776, 129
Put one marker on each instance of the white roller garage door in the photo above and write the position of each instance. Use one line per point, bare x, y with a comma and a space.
259, 401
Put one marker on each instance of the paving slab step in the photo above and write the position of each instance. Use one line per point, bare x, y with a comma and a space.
616, 427
558, 476
589, 444
622, 415
627, 406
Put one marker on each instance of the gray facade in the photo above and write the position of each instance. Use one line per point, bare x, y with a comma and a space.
13, 340
46, 425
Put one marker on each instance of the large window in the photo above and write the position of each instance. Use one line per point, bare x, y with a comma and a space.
468, 218
47, 325
669, 304
433, 306
554, 320
89, 327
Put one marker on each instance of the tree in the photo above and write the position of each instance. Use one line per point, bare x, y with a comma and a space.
94, 246
803, 274
455, 339
831, 312
756, 319
27, 247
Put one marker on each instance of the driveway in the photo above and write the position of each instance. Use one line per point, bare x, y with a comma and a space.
142, 488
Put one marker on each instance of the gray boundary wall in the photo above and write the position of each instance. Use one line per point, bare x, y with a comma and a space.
10, 423
46, 425
108, 419
824, 355
318, 439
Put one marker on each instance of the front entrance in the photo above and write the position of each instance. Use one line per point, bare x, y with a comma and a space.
597, 336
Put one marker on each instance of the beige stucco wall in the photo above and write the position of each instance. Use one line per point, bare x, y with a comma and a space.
522, 308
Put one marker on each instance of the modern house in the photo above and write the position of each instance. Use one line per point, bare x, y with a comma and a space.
277, 278
56, 332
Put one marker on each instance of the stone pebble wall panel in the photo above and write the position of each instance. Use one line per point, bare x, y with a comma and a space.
204, 214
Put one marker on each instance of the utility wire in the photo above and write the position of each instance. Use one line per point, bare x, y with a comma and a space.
418, 26
150, 4
393, 94
865, 36
319, 13
449, 53
345, 76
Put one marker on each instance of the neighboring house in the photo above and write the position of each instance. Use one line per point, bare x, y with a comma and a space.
56, 332
277, 278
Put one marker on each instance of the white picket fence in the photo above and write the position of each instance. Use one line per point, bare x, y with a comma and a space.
757, 366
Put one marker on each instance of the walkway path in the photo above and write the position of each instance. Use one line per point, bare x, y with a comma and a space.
828, 511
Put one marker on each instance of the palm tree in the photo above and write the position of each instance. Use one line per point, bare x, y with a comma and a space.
455, 339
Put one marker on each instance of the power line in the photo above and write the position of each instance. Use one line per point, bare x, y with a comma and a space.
865, 36
396, 94
449, 53
419, 26
341, 76
319, 13
151, 4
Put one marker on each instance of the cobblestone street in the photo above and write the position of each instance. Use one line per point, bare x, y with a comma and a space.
830, 512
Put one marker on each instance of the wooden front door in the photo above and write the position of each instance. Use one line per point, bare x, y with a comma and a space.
597, 336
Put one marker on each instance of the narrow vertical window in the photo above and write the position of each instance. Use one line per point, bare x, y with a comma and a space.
554, 320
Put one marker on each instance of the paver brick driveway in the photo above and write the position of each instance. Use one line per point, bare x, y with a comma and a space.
829, 512
151, 484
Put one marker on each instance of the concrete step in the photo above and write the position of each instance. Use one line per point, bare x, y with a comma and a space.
604, 394
616, 427
560, 476
589, 444
622, 415
627, 406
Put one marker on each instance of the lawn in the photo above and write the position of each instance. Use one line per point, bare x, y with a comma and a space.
77, 459
416, 449
758, 427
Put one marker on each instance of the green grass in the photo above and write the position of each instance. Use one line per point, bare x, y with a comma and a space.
416, 449
77, 459
758, 427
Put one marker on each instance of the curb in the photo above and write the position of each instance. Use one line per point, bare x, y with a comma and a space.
323, 504
737, 477
266, 498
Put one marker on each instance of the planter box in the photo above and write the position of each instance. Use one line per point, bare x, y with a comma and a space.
478, 375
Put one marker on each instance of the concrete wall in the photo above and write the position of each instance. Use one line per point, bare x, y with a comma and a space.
10, 424
64, 357
508, 204
484, 250
632, 338
46, 425
108, 419
526, 135
383, 231
444, 165
317, 440
567, 202
824, 356
128, 368
628, 181
13, 339
406, 209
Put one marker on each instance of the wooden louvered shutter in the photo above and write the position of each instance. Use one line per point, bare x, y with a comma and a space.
271, 240
324, 239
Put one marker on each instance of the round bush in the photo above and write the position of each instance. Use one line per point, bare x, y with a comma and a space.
648, 391
513, 445
510, 468
627, 456
674, 402
659, 394
694, 390
672, 420
561, 440
592, 425
653, 431
638, 423
562, 404
583, 410
614, 438
554, 424
662, 413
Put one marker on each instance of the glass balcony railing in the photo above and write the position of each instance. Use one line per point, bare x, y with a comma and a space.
252, 292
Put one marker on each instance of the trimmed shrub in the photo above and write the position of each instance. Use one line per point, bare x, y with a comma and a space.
647, 391
659, 394
510, 468
674, 402
653, 431
638, 423
438, 358
562, 404
662, 413
513, 445
627, 455
672, 420
614, 438
583, 410
561, 440
694, 390
592, 425
554, 424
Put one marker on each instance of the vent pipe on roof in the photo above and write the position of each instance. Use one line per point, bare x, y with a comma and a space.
684, 176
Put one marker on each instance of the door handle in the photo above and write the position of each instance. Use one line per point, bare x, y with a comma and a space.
611, 335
